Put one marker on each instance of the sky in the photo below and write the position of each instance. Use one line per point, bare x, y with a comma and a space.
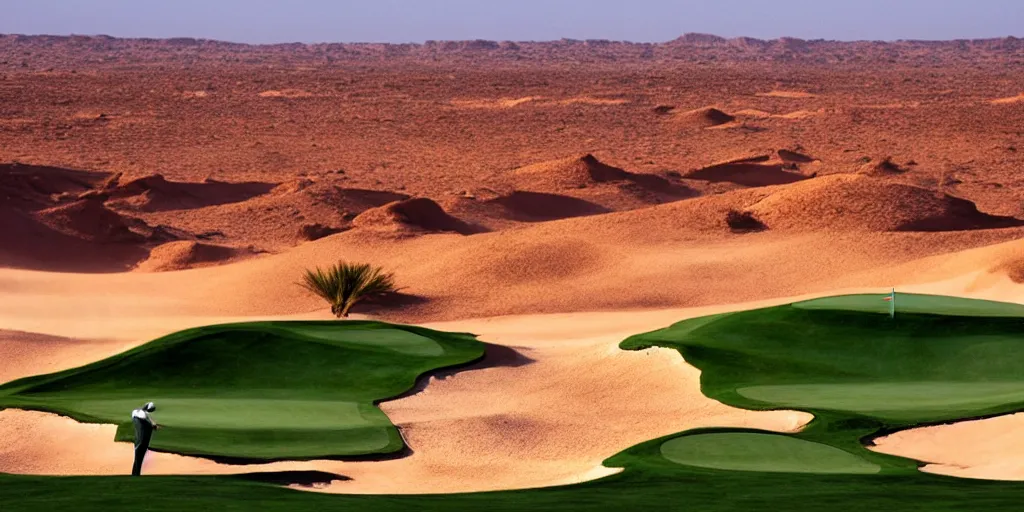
400, 21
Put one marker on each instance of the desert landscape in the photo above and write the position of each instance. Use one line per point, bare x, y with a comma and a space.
557, 200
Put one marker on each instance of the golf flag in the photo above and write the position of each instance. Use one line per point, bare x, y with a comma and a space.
891, 299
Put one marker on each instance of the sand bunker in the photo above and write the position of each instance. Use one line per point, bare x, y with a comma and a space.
990, 448
415, 215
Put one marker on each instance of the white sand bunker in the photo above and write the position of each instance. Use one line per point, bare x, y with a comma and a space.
991, 448
556, 398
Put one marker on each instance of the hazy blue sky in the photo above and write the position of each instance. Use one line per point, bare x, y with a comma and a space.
263, 21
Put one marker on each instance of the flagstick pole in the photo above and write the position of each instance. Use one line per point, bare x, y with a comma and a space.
892, 304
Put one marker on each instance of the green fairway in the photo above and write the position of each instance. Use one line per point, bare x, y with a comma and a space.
752, 451
268, 390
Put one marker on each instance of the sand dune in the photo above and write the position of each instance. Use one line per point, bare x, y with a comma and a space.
884, 167
34, 187
417, 215
185, 254
703, 118
156, 193
498, 211
277, 220
746, 173
860, 203
586, 177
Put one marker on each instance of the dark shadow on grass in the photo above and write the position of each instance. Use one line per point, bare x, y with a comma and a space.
302, 478
248, 461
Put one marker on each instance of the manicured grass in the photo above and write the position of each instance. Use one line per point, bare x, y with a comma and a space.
261, 391
757, 451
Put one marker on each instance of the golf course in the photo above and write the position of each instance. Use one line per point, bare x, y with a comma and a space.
256, 391
294, 390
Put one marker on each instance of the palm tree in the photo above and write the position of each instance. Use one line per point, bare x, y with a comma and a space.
345, 284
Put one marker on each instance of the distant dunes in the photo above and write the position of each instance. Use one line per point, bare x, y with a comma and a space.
852, 203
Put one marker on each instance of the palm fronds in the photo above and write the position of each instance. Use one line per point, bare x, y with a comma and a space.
344, 284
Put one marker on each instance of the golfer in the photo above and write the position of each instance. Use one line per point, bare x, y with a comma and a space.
144, 427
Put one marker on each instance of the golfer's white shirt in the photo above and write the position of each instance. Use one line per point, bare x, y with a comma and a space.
141, 414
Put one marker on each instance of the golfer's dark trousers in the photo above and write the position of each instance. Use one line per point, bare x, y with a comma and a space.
143, 435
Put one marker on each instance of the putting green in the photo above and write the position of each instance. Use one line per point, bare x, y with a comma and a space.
891, 400
916, 303
835, 354
857, 370
264, 391
400, 341
772, 453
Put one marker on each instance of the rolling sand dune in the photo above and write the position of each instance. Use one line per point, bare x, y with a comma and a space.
884, 167
90, 220
282, 217
748, 174
33, 187
185, 254
156, 193
499, 211
587, 178
411, 216
703, 118
858, 202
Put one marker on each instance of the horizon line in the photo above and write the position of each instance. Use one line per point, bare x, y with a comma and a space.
712, 37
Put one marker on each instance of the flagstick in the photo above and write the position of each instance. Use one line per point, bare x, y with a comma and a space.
892, 304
